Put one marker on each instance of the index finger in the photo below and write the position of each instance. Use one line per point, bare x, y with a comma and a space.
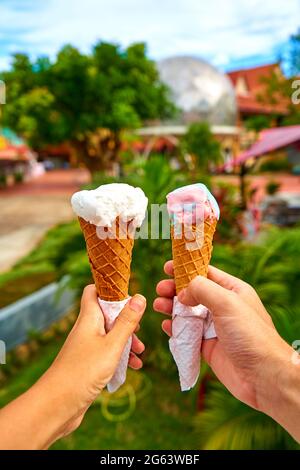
224, 279
169, 268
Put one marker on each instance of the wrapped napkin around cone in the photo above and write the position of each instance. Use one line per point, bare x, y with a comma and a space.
194, 214
108, 217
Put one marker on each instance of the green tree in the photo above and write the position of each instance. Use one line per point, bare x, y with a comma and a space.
201, 144
85, 100
258, 123
292, 57
279, 88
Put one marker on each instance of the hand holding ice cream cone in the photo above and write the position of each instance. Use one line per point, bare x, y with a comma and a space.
194, 214
108, 217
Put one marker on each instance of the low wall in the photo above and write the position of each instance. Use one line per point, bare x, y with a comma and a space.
34, 313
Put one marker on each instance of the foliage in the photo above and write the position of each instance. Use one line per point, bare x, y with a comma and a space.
228, 227
24, 282
277, 164
258, 123
270, 266
201, 143
2, 180
272, 187
228, 424
280, 88
86, 100
292, 56
19, 177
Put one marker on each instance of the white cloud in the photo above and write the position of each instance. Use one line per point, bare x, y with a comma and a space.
221, 31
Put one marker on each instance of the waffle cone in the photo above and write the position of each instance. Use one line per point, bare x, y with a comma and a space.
191, 255
110, 260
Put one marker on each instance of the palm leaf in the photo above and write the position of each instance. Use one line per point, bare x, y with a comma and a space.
272, 266
229, 424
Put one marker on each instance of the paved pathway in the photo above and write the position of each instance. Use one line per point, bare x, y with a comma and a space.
29, 210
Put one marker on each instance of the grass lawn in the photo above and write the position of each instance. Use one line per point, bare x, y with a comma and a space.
148, 413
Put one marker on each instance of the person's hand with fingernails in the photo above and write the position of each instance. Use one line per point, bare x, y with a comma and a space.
56, 404
248, 355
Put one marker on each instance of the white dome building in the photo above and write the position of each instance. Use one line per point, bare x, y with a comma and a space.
201, 93
199, 90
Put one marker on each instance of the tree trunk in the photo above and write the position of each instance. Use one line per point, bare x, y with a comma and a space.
243, 194
98, 151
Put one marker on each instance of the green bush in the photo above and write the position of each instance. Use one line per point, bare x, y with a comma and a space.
200, 142
258, 123
228, 424
228, 229
272, 187
19, 177
2, 180
280, 164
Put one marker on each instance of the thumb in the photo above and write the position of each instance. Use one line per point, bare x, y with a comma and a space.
127, 322
206, 292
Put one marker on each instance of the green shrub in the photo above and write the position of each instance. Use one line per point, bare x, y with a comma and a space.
279, 164
258, 123
19, 177
272, 187
228, 424
2, 180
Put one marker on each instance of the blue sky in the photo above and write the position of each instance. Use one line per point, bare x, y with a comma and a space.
228, 33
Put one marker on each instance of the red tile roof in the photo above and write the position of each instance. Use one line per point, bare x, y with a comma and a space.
253, 79
253, 75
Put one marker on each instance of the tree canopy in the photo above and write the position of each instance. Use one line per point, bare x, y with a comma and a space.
201, 143
292, 57
84, 99
280, 87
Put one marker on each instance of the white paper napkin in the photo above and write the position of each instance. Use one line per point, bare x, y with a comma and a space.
189, 326
111, 311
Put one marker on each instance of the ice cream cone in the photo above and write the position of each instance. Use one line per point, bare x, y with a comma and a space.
192, 251
108, 216
110, 260
194, 214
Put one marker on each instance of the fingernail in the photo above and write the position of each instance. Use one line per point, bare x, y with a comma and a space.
137, 303
181, 295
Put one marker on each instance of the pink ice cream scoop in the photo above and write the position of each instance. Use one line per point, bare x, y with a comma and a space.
192, 203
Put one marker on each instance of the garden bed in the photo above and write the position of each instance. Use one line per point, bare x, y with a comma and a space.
43, 265
15, 289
